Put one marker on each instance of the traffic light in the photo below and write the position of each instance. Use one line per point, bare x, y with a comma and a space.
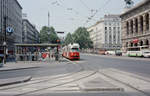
58, 41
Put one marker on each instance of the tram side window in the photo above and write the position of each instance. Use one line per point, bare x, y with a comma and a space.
134, 49
144, 48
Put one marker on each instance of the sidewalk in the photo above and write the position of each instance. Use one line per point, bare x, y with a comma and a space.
17, 66
9, 66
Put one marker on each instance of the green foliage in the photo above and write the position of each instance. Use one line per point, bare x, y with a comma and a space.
68, 39
48, 35
81, 36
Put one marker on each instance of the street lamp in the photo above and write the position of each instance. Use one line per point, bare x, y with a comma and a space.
5, 44
49, 33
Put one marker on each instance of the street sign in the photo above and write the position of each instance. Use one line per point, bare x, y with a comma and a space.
9, 29
60, 32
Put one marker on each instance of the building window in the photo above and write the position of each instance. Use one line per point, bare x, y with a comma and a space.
110, 28
127, 25
135, 44
147, 42
131, 44
141, 23
126, 44
136, 25
147, 21
114, 28
141, 43
131, 26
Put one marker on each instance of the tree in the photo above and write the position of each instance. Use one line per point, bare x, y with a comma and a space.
68, 39
81, 36
48, 35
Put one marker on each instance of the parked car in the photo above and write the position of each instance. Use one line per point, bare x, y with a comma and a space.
146, 54
102, 52
118, 53
110, 52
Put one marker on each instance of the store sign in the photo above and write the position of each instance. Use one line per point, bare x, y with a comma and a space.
9, 29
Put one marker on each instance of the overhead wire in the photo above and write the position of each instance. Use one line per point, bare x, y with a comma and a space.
63, 5
93, 15
84, 4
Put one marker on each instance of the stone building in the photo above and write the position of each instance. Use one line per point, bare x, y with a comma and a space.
136, 26
30, 34
106, 33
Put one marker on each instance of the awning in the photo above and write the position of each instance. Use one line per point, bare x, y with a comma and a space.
135, 41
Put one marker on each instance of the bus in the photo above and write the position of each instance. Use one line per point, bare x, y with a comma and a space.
137, 51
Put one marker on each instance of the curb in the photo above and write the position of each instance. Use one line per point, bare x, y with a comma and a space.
102, 89
1, 70
12, 81
126, 83
85, 88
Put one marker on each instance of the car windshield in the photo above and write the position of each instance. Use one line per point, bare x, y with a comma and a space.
147, 52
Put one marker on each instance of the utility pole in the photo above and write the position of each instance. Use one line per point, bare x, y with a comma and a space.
48, 19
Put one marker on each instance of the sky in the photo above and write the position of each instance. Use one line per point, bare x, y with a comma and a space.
68, 15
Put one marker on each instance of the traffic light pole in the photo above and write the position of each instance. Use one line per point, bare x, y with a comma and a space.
5, 39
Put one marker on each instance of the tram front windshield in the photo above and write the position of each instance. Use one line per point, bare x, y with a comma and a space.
75, 49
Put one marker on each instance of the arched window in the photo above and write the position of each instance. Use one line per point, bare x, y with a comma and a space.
141, 43
136, 25
141, 23
147, 21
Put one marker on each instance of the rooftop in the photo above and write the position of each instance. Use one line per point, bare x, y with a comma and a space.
18, 4
136, 6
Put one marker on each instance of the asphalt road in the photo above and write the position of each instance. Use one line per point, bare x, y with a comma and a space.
133, 65
138, 66
45, 70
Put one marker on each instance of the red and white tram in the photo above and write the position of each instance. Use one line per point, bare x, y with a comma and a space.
71, 51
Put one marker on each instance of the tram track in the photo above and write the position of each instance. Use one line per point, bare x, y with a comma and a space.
124, 83
82, 72
132, 75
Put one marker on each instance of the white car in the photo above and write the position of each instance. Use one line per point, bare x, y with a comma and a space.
146, 54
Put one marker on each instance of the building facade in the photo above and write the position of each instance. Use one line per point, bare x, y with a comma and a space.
30, 34
136, 26
13, 11
106, 33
